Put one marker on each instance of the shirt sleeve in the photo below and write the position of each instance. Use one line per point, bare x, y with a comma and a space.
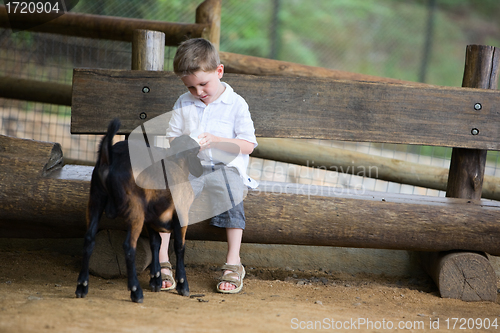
244, 128
176, 122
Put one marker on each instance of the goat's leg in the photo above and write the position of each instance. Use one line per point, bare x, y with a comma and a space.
155, 243
95, 208
129, 246
179, 248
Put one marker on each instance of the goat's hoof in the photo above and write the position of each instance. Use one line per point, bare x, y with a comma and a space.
155, 284
183, 292
136, 295
81, 290
139, 300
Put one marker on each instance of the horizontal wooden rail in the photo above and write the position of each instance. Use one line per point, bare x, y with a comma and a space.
35, 91
250, 65
303, 108
101, 27
39, 199
364, 165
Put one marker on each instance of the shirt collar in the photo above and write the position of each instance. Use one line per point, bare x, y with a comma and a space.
227, 97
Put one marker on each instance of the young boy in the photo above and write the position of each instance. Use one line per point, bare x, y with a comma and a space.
213, 113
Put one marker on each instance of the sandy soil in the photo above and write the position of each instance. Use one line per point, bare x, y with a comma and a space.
37, 295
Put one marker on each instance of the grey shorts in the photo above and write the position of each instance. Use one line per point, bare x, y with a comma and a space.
219, 194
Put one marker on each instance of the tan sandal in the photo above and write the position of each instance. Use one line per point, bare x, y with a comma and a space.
235, 277
167, 277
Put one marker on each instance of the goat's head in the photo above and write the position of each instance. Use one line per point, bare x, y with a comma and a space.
152, 166
184, 147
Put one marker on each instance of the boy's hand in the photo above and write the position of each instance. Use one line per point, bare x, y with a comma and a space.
207, 140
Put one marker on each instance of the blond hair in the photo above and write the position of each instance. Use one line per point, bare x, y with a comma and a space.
195, 55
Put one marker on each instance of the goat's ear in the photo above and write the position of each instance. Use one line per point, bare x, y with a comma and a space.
194, 165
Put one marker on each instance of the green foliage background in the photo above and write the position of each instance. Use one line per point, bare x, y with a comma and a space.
376, 37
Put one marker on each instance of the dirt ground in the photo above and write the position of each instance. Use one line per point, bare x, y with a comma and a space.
37, 295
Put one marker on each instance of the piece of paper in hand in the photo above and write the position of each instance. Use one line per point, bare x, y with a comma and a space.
194, 135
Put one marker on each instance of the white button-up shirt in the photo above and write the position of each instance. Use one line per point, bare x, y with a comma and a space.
226, 117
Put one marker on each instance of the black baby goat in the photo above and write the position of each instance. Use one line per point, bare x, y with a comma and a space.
113, 190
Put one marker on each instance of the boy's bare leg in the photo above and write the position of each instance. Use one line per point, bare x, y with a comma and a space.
234, 236
165, 240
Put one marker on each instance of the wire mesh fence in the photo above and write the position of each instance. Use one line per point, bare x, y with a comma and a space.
379, 48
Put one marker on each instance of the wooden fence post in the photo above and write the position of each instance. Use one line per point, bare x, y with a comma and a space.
464, 275
148, 50
108, 259
209, 12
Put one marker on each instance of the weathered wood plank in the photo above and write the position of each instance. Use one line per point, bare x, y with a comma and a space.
303, 108
37, 206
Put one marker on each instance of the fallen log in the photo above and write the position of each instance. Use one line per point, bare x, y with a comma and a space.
36, 204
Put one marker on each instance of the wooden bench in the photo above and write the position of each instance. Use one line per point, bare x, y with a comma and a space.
464, 118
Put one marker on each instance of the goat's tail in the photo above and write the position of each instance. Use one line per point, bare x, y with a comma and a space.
104, 156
